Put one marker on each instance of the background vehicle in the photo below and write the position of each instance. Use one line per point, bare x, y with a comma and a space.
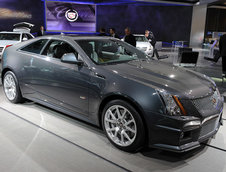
112, 84
20, 33
143, 44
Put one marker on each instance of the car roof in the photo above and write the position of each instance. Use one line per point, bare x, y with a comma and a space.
11, 32
76, 37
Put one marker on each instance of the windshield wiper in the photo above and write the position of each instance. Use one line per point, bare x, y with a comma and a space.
117, 62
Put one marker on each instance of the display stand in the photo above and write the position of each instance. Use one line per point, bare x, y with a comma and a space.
174, 51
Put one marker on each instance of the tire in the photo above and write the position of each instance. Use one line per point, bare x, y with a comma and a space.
11, 88
125, 131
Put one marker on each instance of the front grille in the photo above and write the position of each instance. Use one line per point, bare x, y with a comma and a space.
203, 103
1, 49
204, 106
207, 105
209, 127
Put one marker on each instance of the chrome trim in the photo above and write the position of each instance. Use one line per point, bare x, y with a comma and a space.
210, 118
192, 123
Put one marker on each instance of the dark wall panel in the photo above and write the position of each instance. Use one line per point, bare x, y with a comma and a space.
216, 20
168, 23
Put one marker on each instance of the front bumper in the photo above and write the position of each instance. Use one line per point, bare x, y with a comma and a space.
183, 133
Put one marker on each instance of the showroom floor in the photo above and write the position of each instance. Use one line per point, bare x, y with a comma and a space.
34, 138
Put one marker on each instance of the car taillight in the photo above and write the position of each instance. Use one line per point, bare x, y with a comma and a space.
8, 46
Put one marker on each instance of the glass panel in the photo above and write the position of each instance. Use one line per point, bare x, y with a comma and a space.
57, 49
10, 36
35, 47
141, 38
110, 51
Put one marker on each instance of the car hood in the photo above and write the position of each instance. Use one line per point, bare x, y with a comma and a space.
142, 44
159, 75
7, 42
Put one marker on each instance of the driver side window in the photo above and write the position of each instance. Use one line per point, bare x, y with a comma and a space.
56, 49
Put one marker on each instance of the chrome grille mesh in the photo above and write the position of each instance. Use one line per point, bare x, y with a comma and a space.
207, 105
204, 106
203, 103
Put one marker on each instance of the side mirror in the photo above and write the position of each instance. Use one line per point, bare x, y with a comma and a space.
24, 39
71, 58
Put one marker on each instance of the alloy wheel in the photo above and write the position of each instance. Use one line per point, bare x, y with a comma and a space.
10, 87
120, 125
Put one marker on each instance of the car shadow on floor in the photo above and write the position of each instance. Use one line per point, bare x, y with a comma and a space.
172, 156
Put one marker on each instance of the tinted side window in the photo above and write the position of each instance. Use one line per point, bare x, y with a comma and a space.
29, 36
24, 36
57, 48
35, 47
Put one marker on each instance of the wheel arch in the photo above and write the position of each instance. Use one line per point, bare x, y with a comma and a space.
129, 100
4, 71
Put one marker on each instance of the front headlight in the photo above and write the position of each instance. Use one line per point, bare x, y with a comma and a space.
172, 103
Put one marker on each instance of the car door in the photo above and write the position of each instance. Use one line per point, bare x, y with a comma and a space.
61, 84
27, 56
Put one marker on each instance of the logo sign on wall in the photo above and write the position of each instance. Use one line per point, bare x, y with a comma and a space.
71, 15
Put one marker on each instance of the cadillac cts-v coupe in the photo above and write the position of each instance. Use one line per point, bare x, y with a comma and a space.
136, 100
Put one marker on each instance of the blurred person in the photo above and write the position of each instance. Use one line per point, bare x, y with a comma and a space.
113, 33
222, 49
102, 32
129, 38
41, 32
151, 38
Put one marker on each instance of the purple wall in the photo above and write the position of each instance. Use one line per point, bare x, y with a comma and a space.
166, 22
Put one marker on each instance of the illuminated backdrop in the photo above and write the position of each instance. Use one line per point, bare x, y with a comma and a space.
71, 17
168, 22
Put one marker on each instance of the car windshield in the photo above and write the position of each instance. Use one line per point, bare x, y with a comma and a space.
141, 38
107, 51
10, 36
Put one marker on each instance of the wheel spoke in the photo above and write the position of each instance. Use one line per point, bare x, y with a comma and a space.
128, 122
126, 135
130, 129
111, 129
111, 121
122, 137
118, 113
112, 115
123, 115
116, 131
10, 94
7, 82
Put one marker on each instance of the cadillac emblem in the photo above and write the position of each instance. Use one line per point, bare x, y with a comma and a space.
214, 101
71, 15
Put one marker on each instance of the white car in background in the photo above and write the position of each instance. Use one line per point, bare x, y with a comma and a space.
20, 33
143, 44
